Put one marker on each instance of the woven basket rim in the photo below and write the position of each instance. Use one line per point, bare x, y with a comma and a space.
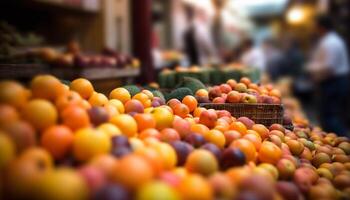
248, 104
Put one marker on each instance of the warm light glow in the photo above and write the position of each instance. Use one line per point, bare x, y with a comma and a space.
295, 15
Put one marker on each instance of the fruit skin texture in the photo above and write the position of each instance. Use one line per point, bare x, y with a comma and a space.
83, 87
201, 161
190, 102
46, 87
246, 147
195, 187
7, 150
61, 184
208, 118
121, 94
13, 93
89, 143
286, 168
40, 113
75, 117
57, 140
132, 171
22, 134
269, 153
126, 124
164, 118
157, 191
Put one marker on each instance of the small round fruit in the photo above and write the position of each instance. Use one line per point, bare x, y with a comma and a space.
195, 187
120, 94
126, 124
269, 153
286, 168
98, 99
181, 110
157, 190
57, 140
132, 171
190, 102
89, 143
83, 87
232, 157
13, 93
164, 118
201, 161
75, 117
7, 150
46, 87
40, 113
216, 137
246, 147
321, 158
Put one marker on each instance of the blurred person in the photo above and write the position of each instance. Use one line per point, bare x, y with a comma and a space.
252, 56
198, 42
273, 58
329, 68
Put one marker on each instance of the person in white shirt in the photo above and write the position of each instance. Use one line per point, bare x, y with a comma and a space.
329, 68
253, 56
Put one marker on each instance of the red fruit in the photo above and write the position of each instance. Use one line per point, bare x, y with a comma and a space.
208, 118
225, 88
233, 97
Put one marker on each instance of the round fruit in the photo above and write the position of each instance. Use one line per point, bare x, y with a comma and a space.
216, 137
126, 124
120, 94
169, 135
157, 190
195, 187
75, 117
167, 154
190, 102
40, 113
89, 142
232, 157
61, 184
181, 110
83, 87
57, 140
8, 114
98, 99
286, 168
269, 152
164, 118
117, 104
246, 147
7, 150
144, 121
132, 171
46, 87
201, 161
321, 158
98, 115
13, 93
238, 126
143, 98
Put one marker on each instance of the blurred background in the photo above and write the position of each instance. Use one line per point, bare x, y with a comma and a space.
301, 45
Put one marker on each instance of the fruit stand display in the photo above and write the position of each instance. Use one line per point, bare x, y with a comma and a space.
71, 142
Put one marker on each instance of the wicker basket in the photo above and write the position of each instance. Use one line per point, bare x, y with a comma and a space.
266, 114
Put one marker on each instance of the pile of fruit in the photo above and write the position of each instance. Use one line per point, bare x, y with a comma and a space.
242, 92
73, 143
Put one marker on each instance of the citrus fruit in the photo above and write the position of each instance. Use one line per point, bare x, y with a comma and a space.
120, 94
83, 87
201, 161
13, 93
75, 117
126, 124
40, 113
46, 87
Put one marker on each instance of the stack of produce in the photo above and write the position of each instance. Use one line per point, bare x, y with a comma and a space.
73, 143
207, 75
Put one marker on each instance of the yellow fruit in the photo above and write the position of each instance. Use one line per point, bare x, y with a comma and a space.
164, 118
83, 87
7, 150
40, 113
13, 93
109, 129
46, 87
126, 124
121, 94
118, 105
89, 142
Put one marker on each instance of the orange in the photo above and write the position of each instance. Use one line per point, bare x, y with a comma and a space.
202, 93
75, 117
181, 110
46, 87
246, 147
216, 137
98, 99
199, 128
83, 87
253, 138
201, 161
8, 114
150, 132
143, 98
238, 174
169, 135
144, 121
120, 94
197, 111
173, 102
132, 171
105, 163
109, 129
167, 154
261, 130
191, 102
152, 157
117, 104
7, 150
40, 113
13, 93
269, 152
126, 124
238, 126
89, 143
57, 140
195, 187
69, 98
